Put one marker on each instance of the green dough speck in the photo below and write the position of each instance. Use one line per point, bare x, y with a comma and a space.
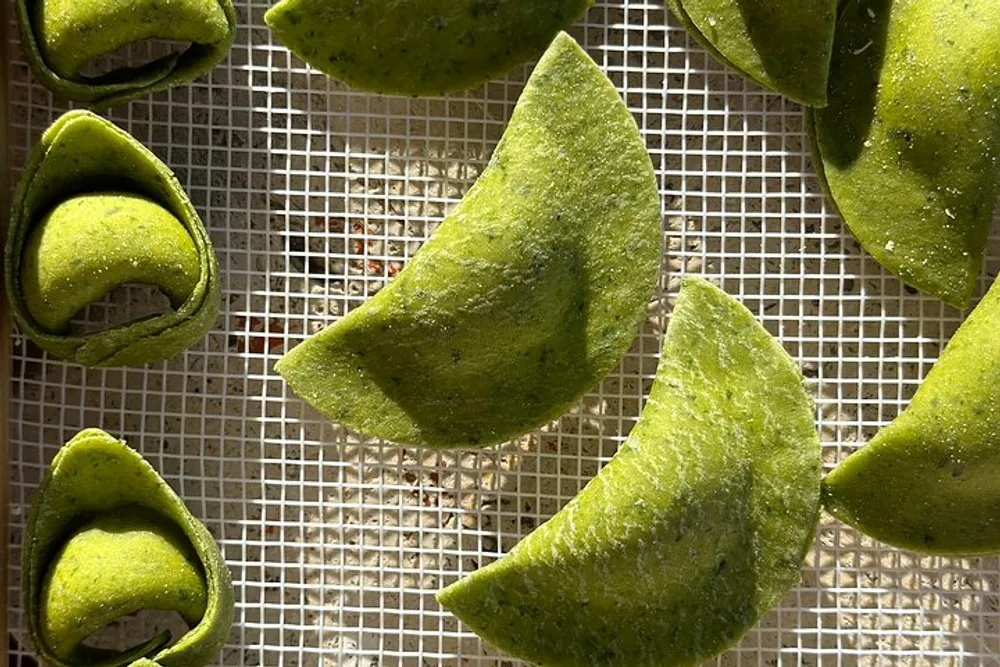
60, 37
419, 47
106, 536
907, 147
784, 45
930, 480
528, 293
697, 526
95, 209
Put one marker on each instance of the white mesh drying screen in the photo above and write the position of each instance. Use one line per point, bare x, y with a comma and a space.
316, 195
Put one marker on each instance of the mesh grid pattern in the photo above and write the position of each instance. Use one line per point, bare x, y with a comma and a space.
315, 196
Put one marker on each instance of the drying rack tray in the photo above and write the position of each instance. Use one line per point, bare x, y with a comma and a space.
316, 195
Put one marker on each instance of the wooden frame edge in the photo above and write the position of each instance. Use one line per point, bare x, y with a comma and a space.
5, 336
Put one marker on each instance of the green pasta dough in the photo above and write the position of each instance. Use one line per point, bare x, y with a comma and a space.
129, 239
141, 563
419, 47
107, 537
908, 146
95, 210
696, 527
61, 37
930, 480
528, 293
784, 45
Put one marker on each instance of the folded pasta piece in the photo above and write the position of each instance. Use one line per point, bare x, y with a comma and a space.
696, 527
106, 537
61, 37
95, 210
528, 293
419, 47
930, 480
908, 146
783, 45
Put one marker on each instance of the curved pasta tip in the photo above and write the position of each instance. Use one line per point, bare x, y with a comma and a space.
414, 47
529, 292
783, 45
908, 145
138, 227
60, 37
695, 528
930, 480
106, 536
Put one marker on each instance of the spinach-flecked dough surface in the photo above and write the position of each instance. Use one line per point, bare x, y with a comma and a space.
907, 147
61, 37
784, 45
528, 293
94, 210
696, 527
419, 47
930, 480
107, 537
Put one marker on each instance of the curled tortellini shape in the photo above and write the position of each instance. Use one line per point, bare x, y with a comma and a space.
107, 537
96, 210
62, 37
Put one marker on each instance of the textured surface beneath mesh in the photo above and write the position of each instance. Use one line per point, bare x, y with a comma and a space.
315, 196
